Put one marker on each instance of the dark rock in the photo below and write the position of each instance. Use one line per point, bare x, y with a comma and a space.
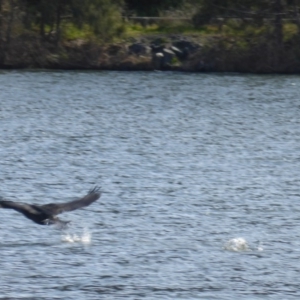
139, 49
168, 56
186, 46
177, 52
157, 49
159, 41
157, 60
114, 49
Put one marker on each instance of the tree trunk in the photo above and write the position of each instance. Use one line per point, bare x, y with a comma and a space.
278, 27
10, 23
297, 15
1, 35
58, 21
42, 25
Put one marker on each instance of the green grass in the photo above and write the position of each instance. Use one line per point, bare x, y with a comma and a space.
230, 29
164, 27
289, 30
71, 32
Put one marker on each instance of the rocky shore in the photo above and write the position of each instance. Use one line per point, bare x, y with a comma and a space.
150, 53
159, 52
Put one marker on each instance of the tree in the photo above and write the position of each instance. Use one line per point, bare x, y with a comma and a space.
45, 14
255, 10
104, 17
151, 7
7, 14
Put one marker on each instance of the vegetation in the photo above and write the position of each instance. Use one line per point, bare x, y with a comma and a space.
258, 13
151, 7
52, 18
104, 18
242, 29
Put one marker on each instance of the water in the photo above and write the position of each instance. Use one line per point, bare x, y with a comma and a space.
200, 179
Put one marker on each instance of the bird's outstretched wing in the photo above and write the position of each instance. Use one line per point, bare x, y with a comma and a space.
55, 209
18, 206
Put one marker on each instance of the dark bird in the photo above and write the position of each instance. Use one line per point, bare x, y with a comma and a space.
46, 214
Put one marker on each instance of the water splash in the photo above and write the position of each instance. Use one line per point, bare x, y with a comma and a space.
236, 245
85, 237
260, 247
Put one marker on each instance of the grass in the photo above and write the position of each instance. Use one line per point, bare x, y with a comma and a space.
230, 29
168, 28
290, 30
71, 32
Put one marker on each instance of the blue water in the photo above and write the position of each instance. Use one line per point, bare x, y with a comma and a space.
200, 180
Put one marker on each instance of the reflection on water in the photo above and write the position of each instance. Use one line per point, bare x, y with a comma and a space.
188, 163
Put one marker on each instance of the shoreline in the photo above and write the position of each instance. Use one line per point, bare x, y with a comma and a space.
180, 53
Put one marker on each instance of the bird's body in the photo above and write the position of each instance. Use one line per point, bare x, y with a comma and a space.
46, 214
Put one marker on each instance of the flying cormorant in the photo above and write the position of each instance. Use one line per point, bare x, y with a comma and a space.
46, 214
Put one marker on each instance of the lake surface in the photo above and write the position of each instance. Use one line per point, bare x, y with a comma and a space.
200, 180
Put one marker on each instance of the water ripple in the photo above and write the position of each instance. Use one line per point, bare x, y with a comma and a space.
188, 163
